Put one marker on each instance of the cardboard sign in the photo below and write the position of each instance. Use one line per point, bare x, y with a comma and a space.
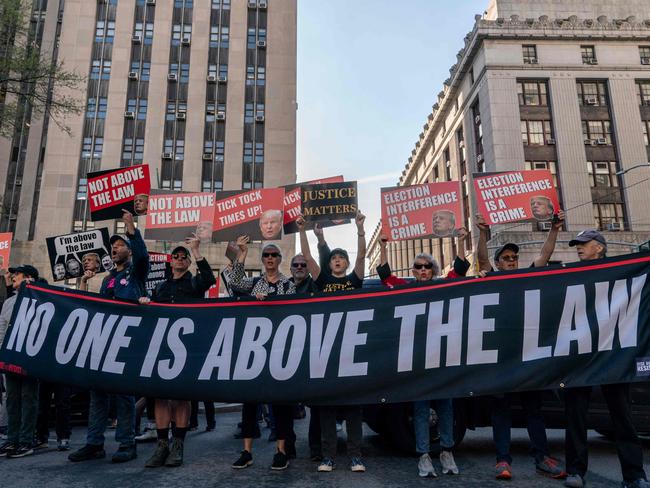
110, 191
516, 195
174, 216
5, 249
72, 254
159, 270
419, 211
255, 213
293, 204
329, 201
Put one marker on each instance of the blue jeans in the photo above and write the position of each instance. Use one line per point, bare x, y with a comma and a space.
445, 412
531, 401
98, 417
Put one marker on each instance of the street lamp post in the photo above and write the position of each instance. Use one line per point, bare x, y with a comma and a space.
623, 171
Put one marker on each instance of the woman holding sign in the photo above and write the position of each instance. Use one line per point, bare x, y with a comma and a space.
271, 283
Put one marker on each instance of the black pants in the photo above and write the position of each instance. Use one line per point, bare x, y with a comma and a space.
314, 432
209, 414
283, 421
629, 449
353, 427
62, 408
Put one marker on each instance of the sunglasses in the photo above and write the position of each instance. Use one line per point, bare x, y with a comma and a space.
270, 254
509, 258
179, 256
420, 266
299, 265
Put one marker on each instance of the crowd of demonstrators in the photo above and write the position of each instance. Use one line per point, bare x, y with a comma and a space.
271, 283
338, 279
506, 258
125, 281
426, 269
181, 286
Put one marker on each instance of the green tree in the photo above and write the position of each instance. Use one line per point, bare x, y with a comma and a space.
29, 78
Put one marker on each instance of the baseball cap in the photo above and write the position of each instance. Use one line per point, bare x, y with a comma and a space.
269, 246
509, 245
119, 237
340, 252
25, 269
586, 236
183, 249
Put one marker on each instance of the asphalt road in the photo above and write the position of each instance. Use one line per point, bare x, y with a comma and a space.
208, 457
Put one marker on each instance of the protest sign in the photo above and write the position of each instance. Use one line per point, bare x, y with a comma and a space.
173, 216
329, 201
5, 249
111, 191
72, 254
159, 270
255, 213
516, 195
213, 291
532, 329
293, 205
419, 211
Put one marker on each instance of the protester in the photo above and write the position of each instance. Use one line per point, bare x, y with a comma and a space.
338, 280
426, 269
181, 286
61, 394
506, 258
271, 283
22, 391
210, 422
125, 281
591, 245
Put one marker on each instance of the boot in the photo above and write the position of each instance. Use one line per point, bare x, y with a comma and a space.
175, 457
159, 456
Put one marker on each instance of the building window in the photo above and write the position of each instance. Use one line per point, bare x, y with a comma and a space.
535, 132
606, 195
588, 54
532, 93
592, 93
602, 174
646, 131
609, 216
548, 165
644, 53
643, 92
597, 130
471, 75
529, 52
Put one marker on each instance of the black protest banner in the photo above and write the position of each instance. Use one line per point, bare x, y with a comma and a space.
72, 254
329, 201
578, 325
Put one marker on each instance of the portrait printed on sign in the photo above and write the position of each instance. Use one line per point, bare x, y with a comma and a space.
73, 254
542, 208
271, 224
141, 204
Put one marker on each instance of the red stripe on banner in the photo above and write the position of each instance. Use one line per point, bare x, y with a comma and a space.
444, 284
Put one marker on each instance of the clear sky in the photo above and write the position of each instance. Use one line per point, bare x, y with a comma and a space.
369, 72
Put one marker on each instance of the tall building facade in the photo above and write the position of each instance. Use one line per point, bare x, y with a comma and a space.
545, 85
204, 91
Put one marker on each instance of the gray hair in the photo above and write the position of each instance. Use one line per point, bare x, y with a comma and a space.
429, 258
299, 255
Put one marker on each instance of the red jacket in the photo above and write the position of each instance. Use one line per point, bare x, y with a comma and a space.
390, 280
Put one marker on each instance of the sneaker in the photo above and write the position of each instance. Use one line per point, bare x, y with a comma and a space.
503, 471
159, 456
63, 445
425, 467
7, 447
574, 481
326, 465
124, 454
21, 451
244, 461
551, 467
175, 457
357, 466
339, 426
147, 436
640, 483
40, 444
87, 452
448, 463
280, 461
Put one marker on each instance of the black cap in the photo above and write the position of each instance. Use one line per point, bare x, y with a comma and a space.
340, 252
119, 237
183, 249
26, 269
586, 236
509, 245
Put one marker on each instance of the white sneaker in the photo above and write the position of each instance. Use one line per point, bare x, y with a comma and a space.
448, 463
425, 467
148, 435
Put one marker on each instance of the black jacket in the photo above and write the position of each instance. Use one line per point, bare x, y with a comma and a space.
187, 287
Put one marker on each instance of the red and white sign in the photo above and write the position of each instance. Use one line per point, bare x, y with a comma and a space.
175, 216
419, 211
5, 249
213, 291
516, 195
109, 192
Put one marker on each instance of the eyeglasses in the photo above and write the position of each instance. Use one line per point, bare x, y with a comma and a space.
180, 256
510, 259
270, 254
299, 265
420, 266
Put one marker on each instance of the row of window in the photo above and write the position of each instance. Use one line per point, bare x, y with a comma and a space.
587, 53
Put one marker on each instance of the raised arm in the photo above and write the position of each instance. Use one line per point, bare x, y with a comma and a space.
360, 263
323, 249
549, 245
312, 265
460, 264
482, 251
238, 278
139, 253
204, 278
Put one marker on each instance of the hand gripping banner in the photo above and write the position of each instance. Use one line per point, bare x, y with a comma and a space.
556, 327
